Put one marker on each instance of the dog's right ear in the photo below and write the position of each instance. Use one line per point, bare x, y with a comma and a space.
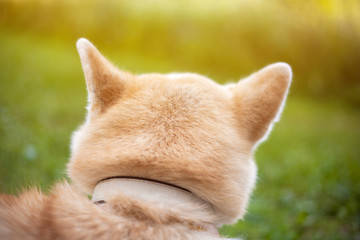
259, 99
105, 83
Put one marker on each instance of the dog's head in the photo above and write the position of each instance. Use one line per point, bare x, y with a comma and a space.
183, 129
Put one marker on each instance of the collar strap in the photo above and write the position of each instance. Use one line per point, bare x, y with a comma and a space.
146, 189
150, 190
146, 180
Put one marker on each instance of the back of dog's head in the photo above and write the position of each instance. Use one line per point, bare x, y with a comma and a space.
182, 129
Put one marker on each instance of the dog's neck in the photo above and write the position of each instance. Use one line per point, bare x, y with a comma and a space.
153, 191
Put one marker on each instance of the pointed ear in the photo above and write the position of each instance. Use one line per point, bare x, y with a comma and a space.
105, 83
259, 99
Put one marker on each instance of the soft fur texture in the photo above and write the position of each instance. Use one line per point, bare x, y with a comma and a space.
182, 129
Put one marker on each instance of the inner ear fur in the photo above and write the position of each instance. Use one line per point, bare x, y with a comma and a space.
105, 83
259, 99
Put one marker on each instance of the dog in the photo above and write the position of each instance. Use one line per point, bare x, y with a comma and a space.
164, 156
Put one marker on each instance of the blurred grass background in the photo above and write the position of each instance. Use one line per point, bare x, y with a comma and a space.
309, 169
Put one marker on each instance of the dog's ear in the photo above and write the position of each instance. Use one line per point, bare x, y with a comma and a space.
259, 99
105, 83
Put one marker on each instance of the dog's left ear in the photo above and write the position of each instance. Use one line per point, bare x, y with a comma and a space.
259, 99
105, 83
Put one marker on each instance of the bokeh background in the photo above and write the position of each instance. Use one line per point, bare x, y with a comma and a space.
309, 169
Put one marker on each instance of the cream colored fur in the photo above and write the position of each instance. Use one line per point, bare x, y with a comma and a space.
182, 129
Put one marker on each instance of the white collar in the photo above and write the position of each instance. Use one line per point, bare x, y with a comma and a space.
154, 191
146, 189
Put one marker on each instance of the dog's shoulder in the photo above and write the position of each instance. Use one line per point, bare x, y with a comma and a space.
67, 213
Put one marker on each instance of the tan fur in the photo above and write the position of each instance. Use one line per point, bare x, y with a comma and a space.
68, 214
182, 129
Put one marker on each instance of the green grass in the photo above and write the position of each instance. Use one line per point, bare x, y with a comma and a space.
309, 169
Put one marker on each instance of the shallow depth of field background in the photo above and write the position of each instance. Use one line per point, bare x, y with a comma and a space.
309, 169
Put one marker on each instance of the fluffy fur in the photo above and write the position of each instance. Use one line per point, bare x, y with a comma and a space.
182, 129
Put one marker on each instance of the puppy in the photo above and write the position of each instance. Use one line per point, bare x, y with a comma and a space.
164, 156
